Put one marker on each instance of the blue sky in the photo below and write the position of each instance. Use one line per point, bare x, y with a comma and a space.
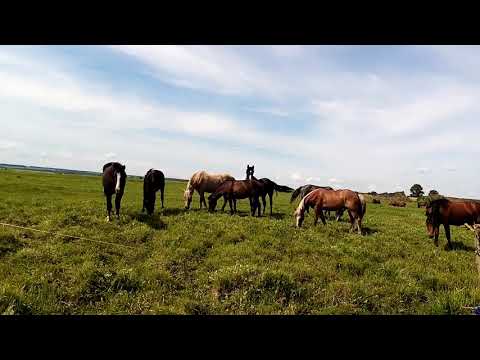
362, 117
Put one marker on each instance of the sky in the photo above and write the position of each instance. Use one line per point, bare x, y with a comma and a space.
368, 118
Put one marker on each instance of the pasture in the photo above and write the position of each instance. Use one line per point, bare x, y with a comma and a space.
193, 262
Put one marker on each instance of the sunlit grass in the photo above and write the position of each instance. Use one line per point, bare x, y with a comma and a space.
194, 262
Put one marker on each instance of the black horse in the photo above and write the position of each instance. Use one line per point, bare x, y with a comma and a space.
114, 180
268, 187
153, 181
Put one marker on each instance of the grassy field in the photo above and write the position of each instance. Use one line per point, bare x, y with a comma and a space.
193, 262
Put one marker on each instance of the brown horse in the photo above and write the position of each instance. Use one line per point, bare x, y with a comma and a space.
322, 199
204, 182
114, 180
232, 190
153, 181
446, 212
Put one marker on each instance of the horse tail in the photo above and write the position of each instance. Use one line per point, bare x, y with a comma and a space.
295, 194
363, 205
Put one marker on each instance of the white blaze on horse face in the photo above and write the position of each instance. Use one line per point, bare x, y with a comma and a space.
117, 187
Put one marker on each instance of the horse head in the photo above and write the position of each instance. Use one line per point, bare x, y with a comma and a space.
250, 171
432, 212
299, 213
187, 196
212, 202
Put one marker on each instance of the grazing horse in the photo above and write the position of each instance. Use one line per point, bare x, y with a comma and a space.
153, 181
114, 180
322, 199
232, 190
305, 189
204, 182
268, 189
446, 212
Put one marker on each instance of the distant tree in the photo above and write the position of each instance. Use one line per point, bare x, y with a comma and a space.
433, 192
416, 190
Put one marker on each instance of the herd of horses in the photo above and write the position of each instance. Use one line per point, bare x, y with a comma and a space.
323, 199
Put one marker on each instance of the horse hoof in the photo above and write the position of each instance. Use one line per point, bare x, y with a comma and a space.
108, 219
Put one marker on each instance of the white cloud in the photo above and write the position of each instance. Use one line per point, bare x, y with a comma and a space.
296, 176
270, 111
423, 170
8, 145
215, 69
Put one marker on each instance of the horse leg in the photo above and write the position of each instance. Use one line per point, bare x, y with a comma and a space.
352, 220
436, 230
264, 200
339, 214
224, 202
319, 214
271, 211
359, 224
202, 199
118, 199
230, 204
235, 205
260, 207
447, 234
161, 194
109, 207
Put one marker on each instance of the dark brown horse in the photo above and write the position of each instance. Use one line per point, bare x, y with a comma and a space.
114, 180
232, 190
322, 199
153, 181
446, 212
268, 189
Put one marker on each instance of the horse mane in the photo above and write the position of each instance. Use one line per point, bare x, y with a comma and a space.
301, 206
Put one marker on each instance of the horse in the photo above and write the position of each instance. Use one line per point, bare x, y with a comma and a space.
204, 182
114, 180
321, 199
232, 190
305, 189
269, 187
446, 212
153, 181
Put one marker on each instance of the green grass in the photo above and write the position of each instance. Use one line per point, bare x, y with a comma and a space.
199, 263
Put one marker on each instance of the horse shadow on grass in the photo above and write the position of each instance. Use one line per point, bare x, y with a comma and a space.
458, 245
368, 231
154, 221
174, 211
